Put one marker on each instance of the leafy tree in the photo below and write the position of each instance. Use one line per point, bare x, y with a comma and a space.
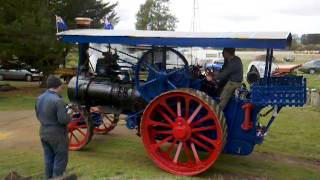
155, 15
28, 33
295, 42
27, 29
94, 9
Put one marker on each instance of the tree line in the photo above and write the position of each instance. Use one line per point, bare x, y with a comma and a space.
306, 42
28, 30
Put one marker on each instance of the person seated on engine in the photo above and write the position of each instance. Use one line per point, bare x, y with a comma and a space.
108, 66
209, 85
230, 76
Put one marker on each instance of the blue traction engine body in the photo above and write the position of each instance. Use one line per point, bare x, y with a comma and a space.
154, 82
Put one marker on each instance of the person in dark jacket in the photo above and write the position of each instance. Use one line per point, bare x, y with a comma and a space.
52, 113
230, 77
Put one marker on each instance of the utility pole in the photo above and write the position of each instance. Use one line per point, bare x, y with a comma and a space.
195, 24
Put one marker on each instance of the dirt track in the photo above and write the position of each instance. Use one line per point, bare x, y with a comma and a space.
21, 129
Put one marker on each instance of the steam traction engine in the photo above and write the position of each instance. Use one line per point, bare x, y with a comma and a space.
182, 127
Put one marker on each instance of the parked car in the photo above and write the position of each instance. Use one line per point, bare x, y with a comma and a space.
19, 71
311, 67
216, 64
259, 65
289, 58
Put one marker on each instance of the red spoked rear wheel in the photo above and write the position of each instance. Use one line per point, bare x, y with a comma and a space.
183, 131
80, 131
109, 123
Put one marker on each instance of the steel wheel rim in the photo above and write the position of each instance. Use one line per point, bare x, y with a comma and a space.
78, 133
185, 141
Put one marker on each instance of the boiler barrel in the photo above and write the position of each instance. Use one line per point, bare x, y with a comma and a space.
93, 92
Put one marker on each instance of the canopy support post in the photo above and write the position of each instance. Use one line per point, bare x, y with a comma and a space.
266, 67
270, 63
164, 58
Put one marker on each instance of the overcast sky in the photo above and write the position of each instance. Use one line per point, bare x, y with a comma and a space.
296, 16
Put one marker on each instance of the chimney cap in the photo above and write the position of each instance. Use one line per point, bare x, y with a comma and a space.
83, 21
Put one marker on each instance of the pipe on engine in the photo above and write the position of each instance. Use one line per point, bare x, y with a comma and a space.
94, 92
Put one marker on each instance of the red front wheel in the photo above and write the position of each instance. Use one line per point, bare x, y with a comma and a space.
183, 131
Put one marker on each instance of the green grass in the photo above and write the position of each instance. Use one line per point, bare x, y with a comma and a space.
294, 133
18, 102
123, 156
24, 97
313, 80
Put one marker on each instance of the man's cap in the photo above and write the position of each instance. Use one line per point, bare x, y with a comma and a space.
53, 82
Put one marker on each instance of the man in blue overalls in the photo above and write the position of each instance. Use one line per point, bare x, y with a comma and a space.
52, 113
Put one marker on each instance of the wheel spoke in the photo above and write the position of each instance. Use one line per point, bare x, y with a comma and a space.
70, 137
187, 107
108, 118
165, 116
175, 71
179, 108
205, 138
149, 82
81, 132
206, 128
164, 104
194, 114
151, 68
176, 156
171, 84
163, 131
205, 147
105, 126
75, 137
201, 120
171, 147
195, 153
187, 151
156, 123
164, 141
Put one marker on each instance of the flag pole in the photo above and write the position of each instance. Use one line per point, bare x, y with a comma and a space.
57, 24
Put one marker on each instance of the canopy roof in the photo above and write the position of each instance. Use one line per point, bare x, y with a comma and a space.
277, 40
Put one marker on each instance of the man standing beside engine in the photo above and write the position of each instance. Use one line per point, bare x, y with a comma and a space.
52, 113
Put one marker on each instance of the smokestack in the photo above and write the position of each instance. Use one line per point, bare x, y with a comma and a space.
83, 22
